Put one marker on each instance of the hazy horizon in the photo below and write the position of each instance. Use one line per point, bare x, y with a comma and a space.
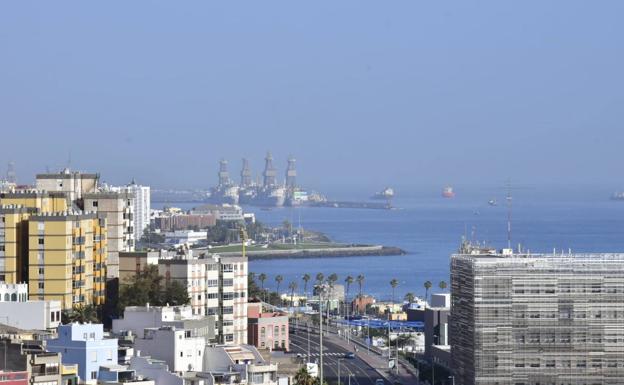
363, 94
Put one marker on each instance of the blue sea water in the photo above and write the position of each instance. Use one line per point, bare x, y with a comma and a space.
430, 228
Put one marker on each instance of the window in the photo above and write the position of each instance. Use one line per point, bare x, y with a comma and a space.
181, 354
94, 375
40, 285
95, 203
41, 271
40, 241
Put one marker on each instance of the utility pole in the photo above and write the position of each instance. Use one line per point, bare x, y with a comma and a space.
321, 334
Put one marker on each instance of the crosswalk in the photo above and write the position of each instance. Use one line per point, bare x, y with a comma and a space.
329, 354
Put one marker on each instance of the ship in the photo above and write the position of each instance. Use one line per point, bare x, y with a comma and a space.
492, 202
273, 196
447, 192
387, 193
618, 196
226, 191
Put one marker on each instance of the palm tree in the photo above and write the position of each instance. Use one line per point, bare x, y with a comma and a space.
442, 285
360, 281
348, 283
319, 278
332, 279
302, 377
292, 286
278, 279
394, 283
262, 277
306, 277
252, 276
410, 297
427, 287
82, 314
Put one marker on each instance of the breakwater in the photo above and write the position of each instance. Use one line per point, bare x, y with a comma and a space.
327, 252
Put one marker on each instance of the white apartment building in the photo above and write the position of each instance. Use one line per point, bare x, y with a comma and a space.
141, 206
159, 371
177, 347
31, 315
217, 287
118, 208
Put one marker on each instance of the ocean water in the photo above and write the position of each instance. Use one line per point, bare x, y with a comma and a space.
430, 228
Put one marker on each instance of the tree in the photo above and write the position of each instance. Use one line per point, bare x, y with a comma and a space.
319, 278
332, 279
302, 377
428, 285
306, 278
278, 279
410, 297
81, 314
292, 286
360, 281
348, 283
442, 285
262, 277
175, 294
394, 283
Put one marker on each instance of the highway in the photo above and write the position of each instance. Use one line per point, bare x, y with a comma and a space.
359, 371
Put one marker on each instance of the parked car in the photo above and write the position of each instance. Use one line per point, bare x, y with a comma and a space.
349, 355
379, 381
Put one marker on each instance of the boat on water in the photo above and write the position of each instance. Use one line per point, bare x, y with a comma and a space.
387, 193
492, 202
618, 196
447, 192
224, 194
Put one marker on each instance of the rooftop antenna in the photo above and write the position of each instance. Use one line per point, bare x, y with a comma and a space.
509, 214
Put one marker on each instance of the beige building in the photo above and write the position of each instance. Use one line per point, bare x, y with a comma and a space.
117, 207
73, 183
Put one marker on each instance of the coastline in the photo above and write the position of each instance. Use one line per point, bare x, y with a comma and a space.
329, 252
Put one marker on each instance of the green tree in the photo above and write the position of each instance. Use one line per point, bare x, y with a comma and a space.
428, 285
81, 314
348, 283
306, 278
292, 286
394, 283
278, 279
332, 279
442, 285
319, 278
302, 377
262, 277
175, 294
410, 297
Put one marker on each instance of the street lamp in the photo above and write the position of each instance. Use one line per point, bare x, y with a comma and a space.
339, 362
452, 378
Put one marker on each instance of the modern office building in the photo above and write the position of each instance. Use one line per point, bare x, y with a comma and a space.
537, 319
84, 345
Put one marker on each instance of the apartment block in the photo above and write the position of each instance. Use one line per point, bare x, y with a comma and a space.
67, 258
84, 345
523, 319
267, 330
141, 206
117, 207
177, 347
73, 183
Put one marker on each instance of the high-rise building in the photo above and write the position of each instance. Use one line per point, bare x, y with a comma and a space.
141, 206
217, 287
74, 183
537, 319
117, 207
60, 254
67, 258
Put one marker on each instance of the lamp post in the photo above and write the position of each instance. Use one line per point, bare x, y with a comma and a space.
339, 362
452, 379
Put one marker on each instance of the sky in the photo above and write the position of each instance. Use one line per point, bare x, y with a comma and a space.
363, 93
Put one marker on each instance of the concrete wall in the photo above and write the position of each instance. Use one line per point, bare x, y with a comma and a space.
32, 315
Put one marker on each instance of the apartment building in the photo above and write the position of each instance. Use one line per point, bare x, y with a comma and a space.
84, 345
117, 207
217, 287
73, 183
537, 319
267, 329
67, 258
132, 263
141, 207
177, 347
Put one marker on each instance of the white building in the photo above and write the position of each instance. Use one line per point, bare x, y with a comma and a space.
138, 318
181, 237
159, 372
142, 206
177, 347
13, 292
217, 287
239, 364
31, 315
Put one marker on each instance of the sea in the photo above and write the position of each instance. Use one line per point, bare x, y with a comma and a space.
430, 229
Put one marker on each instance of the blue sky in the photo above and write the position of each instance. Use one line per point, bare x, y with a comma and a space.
363, 93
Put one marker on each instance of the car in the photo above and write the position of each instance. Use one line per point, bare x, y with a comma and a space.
349, 355
379, 381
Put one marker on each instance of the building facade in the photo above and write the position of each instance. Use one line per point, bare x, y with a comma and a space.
31, 315
267, 330
537, 319
177, 347
141, 206
84, 345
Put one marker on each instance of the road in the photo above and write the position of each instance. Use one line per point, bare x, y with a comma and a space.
333, 355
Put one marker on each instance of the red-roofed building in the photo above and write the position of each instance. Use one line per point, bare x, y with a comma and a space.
267, 330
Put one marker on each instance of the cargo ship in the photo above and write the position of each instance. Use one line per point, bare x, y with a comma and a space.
387, 193
447, 192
